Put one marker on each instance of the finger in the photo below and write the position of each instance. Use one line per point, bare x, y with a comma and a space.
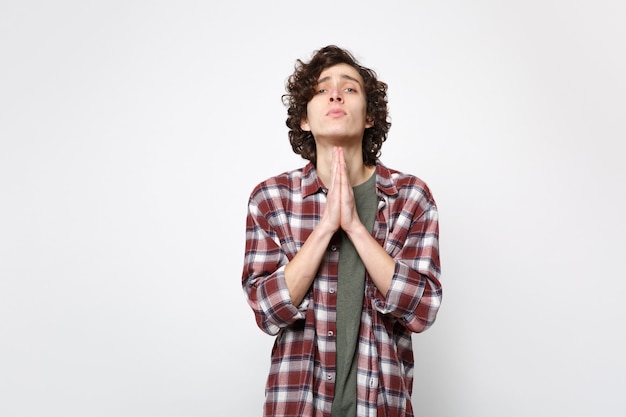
338, 175
344, 182
334, 164
340, 156
345, 179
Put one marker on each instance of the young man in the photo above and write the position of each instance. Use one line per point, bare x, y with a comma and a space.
341, 259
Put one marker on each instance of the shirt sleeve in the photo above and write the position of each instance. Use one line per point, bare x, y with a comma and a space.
415, 293
263, 277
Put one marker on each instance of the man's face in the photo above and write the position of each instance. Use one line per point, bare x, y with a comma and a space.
338, 108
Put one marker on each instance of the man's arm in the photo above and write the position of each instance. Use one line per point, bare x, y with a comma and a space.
302, 269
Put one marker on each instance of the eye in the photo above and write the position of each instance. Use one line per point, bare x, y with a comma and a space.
321, 90
351, 90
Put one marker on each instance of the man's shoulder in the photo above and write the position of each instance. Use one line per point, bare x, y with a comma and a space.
400, 180
288, 181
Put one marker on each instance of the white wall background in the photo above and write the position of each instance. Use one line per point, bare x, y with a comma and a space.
131, 133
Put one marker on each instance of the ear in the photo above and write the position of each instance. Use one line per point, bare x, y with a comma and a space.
304, 125
369, 121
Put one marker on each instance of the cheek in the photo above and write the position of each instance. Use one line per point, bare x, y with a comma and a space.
312, 110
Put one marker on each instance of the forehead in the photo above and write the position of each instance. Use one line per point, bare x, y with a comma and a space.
344, 71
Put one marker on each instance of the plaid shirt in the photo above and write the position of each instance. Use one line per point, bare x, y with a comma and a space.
282, 212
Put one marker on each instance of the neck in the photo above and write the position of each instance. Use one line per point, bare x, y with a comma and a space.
358, 172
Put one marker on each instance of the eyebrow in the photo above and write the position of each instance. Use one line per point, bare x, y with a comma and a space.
343, 76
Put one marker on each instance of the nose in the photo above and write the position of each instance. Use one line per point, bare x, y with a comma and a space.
335, 95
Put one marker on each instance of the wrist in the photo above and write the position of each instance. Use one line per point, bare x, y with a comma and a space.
325, 228
355, 229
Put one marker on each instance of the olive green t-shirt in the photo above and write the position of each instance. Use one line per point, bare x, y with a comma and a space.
350, 290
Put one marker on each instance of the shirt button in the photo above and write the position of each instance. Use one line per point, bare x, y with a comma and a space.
333, 248
331, 290
331, 334
329, 376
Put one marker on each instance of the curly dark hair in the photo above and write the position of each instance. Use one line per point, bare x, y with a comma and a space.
300, 88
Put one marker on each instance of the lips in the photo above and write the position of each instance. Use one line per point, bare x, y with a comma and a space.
336, 113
